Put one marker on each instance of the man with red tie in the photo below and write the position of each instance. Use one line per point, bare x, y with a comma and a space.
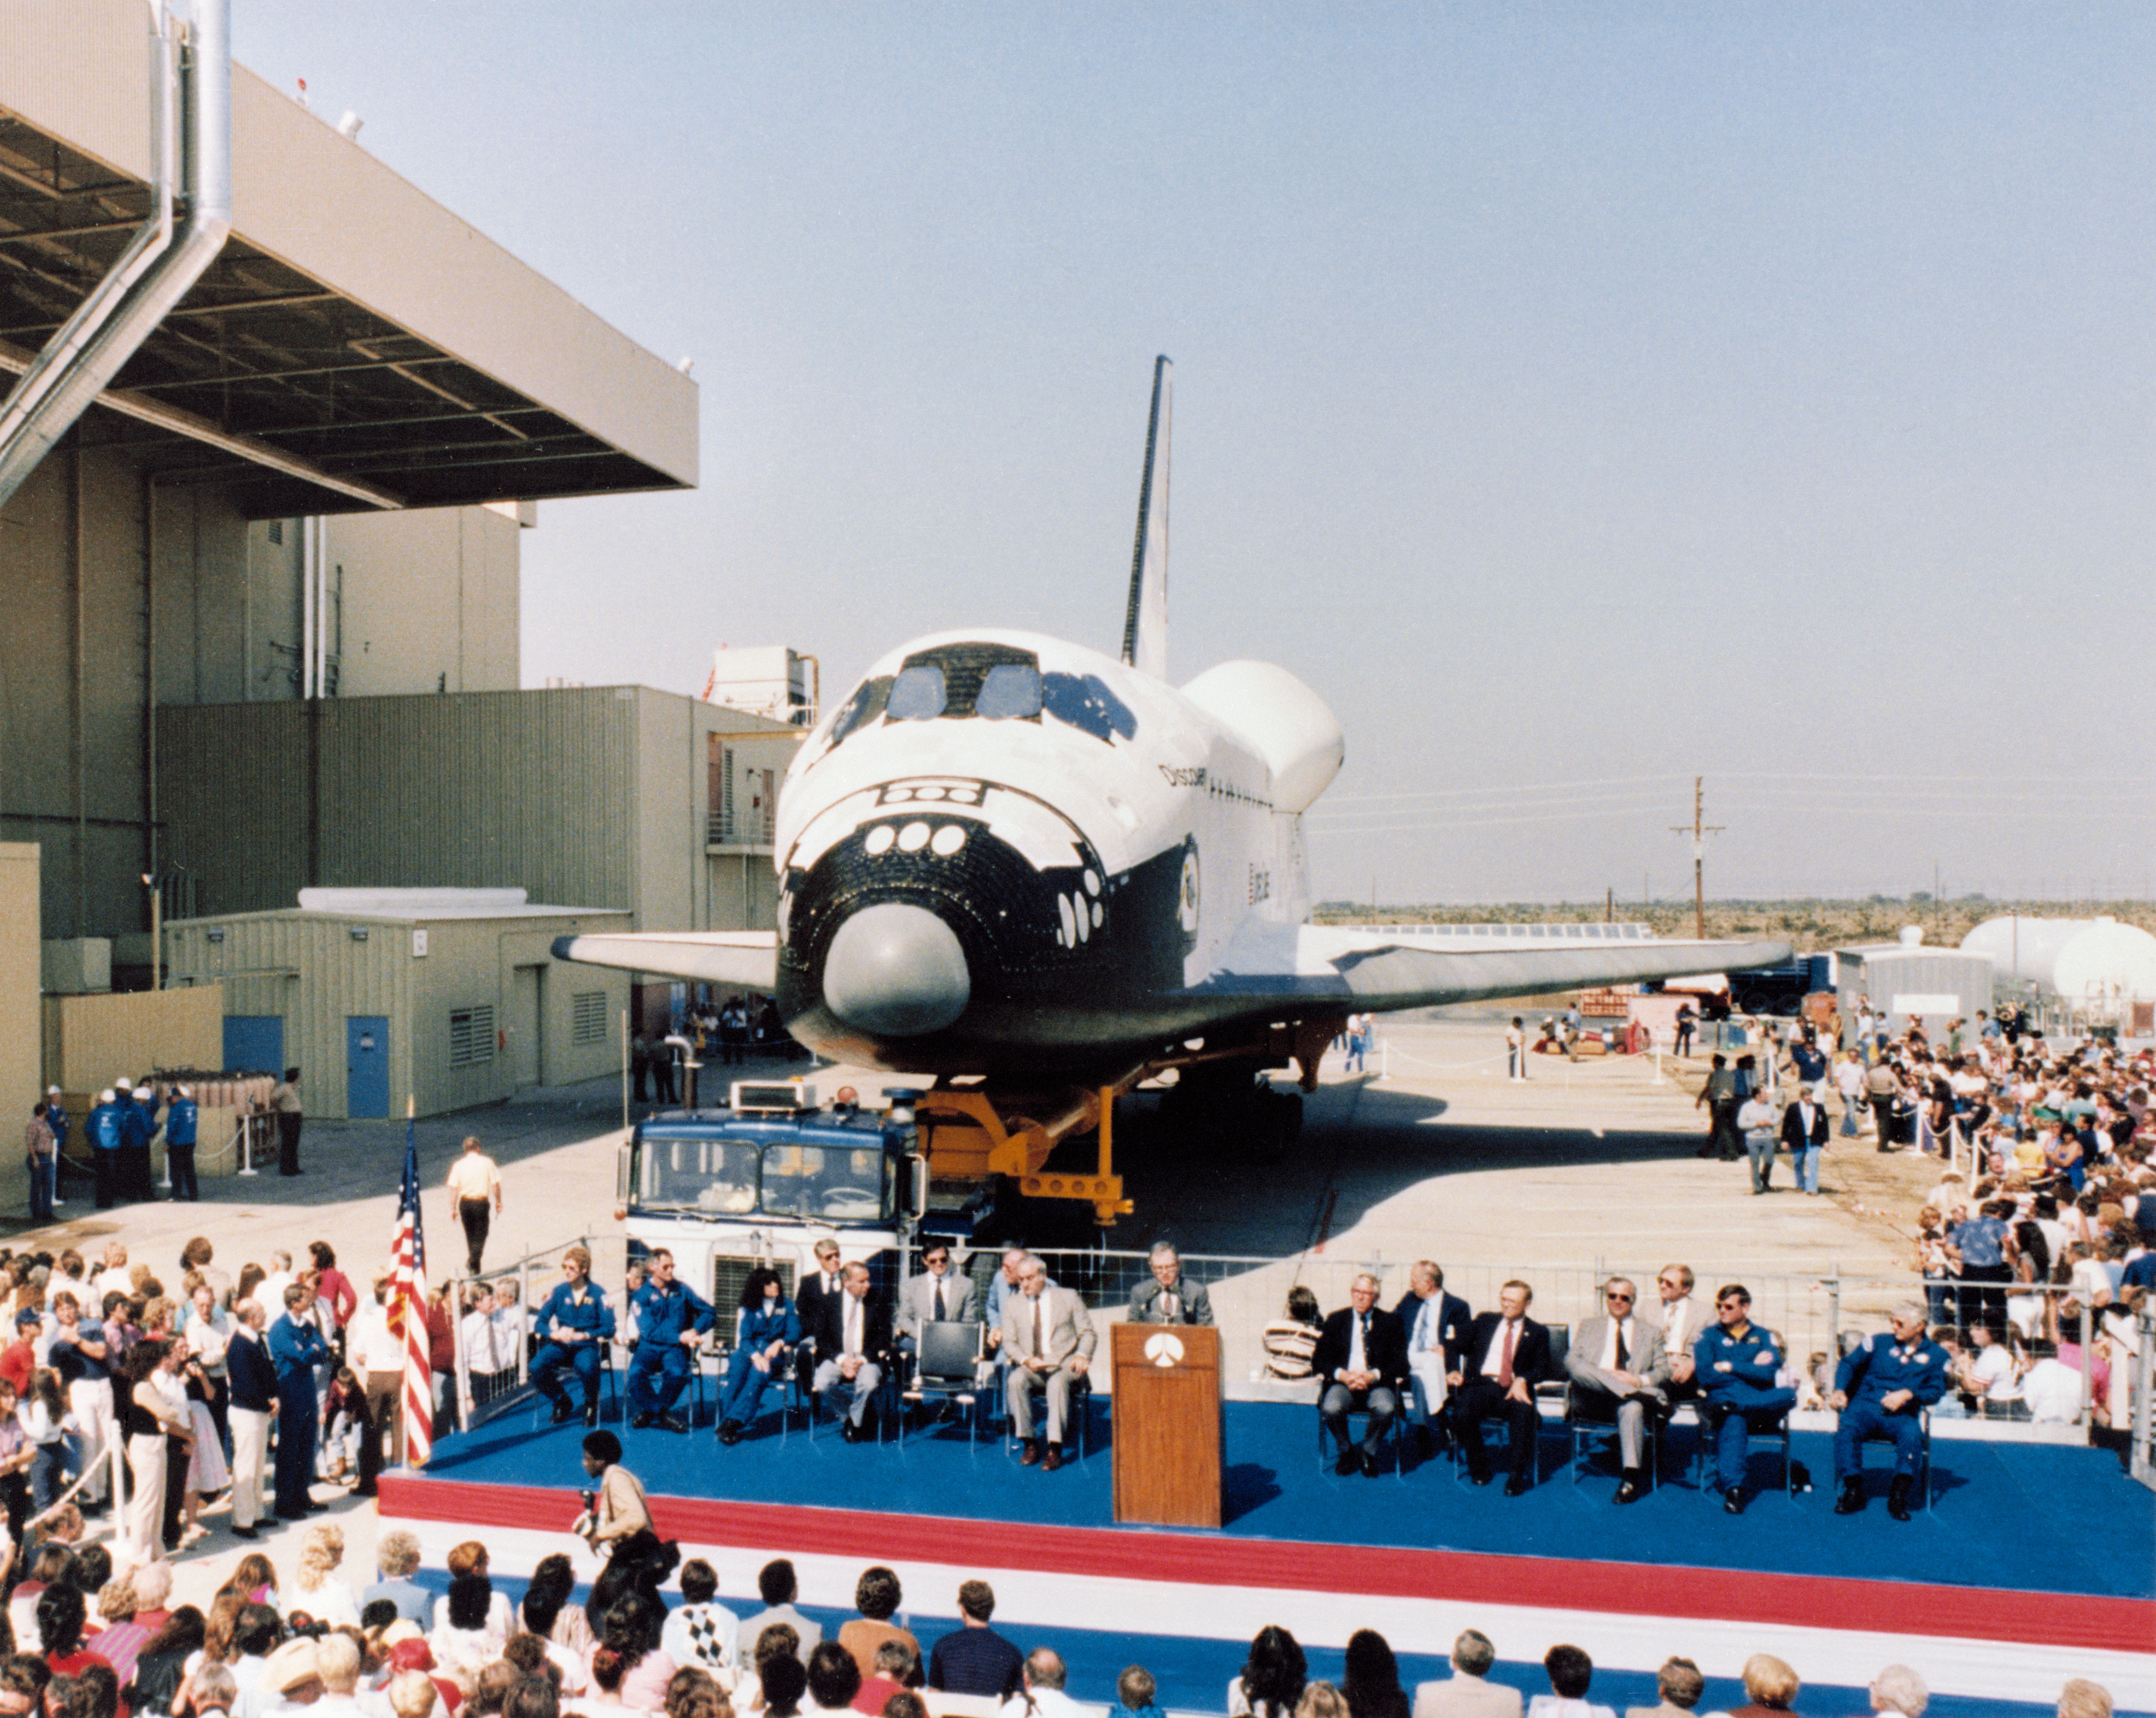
1507, 1353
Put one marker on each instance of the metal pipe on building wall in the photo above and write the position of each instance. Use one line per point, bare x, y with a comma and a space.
160, 264
307, 608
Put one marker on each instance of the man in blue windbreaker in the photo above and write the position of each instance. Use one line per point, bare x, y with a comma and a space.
1882, 1389
181, 1119
107, 1136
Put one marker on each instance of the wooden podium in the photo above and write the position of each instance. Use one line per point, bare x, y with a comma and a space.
1167, 1384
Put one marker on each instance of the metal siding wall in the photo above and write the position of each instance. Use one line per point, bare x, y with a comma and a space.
1931, 973
467, 975
80, 68
532, 790
232, 786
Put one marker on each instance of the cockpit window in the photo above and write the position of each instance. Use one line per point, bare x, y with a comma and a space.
995, 682
1010, 689
917, 694
864, 707
1084, 701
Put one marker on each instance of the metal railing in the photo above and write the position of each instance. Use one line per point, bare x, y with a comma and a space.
1817, 1314
751, 828
2139, 1461
484, 1391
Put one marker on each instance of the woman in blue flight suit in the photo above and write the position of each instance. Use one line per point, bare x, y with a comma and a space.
769, 1327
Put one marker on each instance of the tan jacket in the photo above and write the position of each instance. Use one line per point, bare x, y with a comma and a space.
1069, 1326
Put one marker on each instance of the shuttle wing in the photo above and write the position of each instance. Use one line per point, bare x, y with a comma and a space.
1294, 965
746, 959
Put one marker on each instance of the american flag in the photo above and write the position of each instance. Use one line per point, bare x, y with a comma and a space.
407, 1309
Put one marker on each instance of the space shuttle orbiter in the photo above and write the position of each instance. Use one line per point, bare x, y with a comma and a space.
1007, 856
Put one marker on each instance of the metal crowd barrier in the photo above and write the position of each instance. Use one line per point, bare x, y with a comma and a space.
1816, 1313
484, 1393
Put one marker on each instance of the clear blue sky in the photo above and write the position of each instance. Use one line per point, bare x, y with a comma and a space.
1579, 397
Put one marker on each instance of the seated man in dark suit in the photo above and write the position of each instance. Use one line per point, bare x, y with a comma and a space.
1506, 1352
853, 1346
1362, 1359
821, 1284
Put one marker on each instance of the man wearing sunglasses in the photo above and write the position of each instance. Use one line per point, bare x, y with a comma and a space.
1738, 1365
1617, 1369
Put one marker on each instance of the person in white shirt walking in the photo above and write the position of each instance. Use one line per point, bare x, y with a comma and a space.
476, 1191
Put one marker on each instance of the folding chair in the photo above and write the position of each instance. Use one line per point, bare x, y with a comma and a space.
1710, 1427
946, 1370
1075, 1430
1394, 1436
609, 1382
1924, 1457
1590, 1417
1550, 1391
882, 1403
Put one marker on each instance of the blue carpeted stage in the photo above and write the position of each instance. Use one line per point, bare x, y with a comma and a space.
2037, 1562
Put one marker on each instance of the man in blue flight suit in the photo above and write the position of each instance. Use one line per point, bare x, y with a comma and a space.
575, 1325
106, 1134
181, 1119
671, 1318
1736, 1362
138, 1120
297, 1348
1882, 1390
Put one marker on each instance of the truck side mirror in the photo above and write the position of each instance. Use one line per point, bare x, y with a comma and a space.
624, 1171
920, 1185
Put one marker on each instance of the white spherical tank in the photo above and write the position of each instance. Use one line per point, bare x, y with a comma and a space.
2024, 948
1284, 722
2108, 962
2076, 958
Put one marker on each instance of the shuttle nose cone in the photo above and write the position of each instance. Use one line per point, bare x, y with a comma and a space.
896, 971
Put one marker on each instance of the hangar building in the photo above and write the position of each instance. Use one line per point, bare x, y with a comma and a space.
305, 488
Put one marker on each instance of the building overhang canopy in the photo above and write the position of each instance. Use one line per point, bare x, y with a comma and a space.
355, 345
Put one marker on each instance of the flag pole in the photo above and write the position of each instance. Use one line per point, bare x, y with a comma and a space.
409, 1303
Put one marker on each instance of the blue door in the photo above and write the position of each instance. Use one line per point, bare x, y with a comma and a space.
254, 1044
366, 1067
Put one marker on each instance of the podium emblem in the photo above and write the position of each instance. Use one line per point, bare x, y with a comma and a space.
1164, 1349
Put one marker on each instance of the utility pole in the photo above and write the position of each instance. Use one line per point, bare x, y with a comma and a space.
1699, 832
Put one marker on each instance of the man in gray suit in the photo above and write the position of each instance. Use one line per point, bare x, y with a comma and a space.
1169, 1298
1464, 1693
1617, 1369
936, 1296
1048, 1344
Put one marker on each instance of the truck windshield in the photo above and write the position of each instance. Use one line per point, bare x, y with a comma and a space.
716, 1176
839, 1183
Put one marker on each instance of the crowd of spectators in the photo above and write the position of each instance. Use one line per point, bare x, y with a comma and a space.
118, 1390
2035, 1244
80, 1639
